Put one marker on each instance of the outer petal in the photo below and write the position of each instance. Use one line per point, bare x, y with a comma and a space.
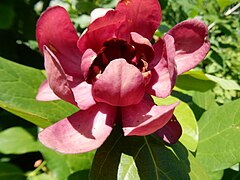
100, 30
56, 31
81, 132
56, 77
45, 93
121, 84
98, 12
191, 43
171, 132
164, 73
145, 118
142, 16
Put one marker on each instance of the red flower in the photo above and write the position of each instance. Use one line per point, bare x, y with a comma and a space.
111, 71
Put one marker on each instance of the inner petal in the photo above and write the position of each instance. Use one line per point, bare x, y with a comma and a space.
121, 84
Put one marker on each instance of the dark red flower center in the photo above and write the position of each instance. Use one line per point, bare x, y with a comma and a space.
114, 49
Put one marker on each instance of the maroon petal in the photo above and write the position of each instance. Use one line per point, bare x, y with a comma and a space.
145, 118
56, 31
142, 17
45, 93
191, 43
171, 132
56, 77
100, 30
142, 46
164, 73
121, 84
87, 60
81, 132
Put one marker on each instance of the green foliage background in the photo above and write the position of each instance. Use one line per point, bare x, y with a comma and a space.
209, 110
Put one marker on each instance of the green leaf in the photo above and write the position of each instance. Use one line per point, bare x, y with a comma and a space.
56, 163
153, 159
62, 165
19, 85
194, 81
187, 120
42, 177
17, 140
10, 171
219, 130
224, 83
224, 3
202, 101
127, 169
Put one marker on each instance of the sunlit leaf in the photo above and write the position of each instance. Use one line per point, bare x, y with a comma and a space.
224, 83
219, 130
19, 85
62, 165
202, 101
127, 169
17, 140
194, 81
187, 120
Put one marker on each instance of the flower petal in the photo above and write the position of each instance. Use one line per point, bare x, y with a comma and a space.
142, 16
45, 93
171, 132
142, 46
145, 118
164, 73
100, 30
56, 31
191, 43
81, 132
56, 77
87, 60
121, 84
82, 94
98, 12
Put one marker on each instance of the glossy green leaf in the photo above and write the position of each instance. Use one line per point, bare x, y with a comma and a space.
127, 169
219, 130
194, 81
19, 85
224, 83
10, 171
187, 120
153, 159
17, 140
